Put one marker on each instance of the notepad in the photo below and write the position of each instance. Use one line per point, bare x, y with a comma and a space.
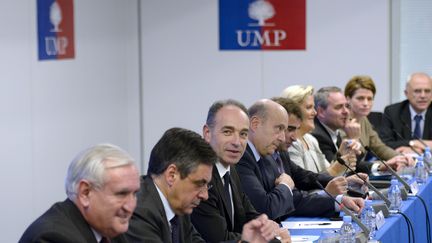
312, 224
304, 238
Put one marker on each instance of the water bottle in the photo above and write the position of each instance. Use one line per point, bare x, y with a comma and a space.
427, 158
394, 195
421, 173
347, 232
368, 218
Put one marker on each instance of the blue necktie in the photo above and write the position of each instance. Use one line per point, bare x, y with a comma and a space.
417, 130
175, 231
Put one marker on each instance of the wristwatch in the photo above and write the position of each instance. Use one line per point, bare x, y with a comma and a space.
411, 143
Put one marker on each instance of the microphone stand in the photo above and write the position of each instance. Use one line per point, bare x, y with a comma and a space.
366, 231
413, 135
385, 199
407, 187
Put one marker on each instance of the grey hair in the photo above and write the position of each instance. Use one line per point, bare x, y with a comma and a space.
216, 106
321, 96
411, 76
90, 165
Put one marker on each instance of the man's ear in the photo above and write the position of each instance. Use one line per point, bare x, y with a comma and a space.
406, 93
254, 123
83, 193
206, 133
171, 174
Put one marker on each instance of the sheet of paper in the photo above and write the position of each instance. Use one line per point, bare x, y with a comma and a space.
304, 238
312, 224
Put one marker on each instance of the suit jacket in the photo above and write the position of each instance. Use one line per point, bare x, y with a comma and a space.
325, 141
396, 121
303, 179
369, 137
211, 217
258, 181
329, 149
149, 222
62, 223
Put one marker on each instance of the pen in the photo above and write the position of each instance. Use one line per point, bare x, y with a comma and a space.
312, 224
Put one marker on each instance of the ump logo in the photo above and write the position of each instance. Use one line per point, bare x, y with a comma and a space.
55, 29
262, 24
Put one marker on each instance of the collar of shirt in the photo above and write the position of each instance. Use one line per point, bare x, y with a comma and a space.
254, 151
97, 235
221, 169
168, 211
333, 134
414, 113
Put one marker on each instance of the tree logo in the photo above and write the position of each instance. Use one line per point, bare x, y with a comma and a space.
261, 10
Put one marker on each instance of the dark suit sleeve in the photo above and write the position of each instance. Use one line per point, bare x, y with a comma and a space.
189, 233
145, 227
210, 222
388, 128
275, 203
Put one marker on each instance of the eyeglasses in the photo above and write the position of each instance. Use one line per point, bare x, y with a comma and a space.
201, 185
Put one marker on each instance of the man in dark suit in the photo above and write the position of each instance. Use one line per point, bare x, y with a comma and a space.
227, 209
180, 169
332, 123
271, 191
398, 129
101, 184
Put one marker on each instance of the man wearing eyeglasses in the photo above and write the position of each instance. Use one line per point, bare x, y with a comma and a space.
177, 180
406, 122
179, 171
227, 210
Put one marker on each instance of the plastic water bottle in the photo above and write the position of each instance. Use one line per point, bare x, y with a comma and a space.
394, 195
347, 232
427, 158
368, 218
421, 173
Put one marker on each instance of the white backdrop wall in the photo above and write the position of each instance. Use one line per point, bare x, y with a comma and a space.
53, 109
184, 72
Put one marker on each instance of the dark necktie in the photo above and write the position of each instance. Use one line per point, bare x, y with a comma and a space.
338, 140
226, 178
175, 231
417, 130
105, 240
279, 163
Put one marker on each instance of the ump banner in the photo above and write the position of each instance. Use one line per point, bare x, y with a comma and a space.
55, 29
262, 24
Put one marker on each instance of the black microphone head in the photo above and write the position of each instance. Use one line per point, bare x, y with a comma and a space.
340, 160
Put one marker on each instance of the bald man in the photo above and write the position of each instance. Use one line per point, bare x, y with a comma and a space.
399, 123
269, 190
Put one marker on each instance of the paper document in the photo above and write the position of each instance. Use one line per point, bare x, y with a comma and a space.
312, 224
304, 238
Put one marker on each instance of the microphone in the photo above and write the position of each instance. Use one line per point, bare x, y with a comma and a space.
412, 147
407, 187
385, 199
413, 135
344, 209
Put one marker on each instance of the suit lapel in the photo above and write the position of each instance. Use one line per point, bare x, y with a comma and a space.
427, 133
406, 121
153, 193
321, 129
79, 221
221, 191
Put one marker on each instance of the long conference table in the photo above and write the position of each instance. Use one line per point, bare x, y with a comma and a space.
395, 228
